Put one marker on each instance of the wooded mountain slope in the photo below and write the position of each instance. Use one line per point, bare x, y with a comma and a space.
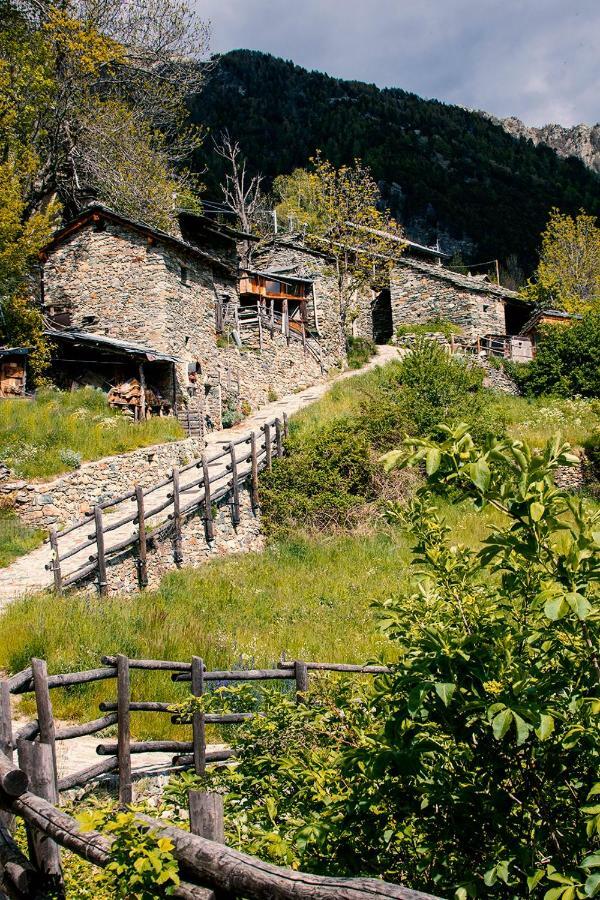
443, 169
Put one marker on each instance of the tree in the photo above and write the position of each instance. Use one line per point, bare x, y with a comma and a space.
337, 211
241, 193
116, 77
568, 273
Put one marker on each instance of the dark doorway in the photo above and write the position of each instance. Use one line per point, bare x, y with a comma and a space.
515, 316
381, 317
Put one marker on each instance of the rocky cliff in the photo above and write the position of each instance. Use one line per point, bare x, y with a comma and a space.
582, 141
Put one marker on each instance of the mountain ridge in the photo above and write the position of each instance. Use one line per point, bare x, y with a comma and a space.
444, 171
581, 141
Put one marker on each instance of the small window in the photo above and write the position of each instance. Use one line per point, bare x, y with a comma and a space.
485, 307
183, 272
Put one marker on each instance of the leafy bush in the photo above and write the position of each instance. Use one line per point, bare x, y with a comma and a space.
566, 361
488, 724
359, 351
324, 477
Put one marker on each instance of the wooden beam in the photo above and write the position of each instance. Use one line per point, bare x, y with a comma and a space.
124, 731
198, 727
142, 560
101, 562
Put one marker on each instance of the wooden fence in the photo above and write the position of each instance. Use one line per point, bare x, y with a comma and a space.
202, 483
32, 790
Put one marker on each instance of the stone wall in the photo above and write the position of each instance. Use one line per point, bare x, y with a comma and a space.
67, 498
276, 369
122, 572
418, 296
113, 282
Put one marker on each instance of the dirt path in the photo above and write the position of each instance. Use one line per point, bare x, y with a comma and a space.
29, 574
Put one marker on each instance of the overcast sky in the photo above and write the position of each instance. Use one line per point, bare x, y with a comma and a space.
536, 59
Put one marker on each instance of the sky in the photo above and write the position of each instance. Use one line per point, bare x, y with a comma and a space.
535, 59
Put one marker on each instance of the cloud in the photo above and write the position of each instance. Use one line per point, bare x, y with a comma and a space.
537, 59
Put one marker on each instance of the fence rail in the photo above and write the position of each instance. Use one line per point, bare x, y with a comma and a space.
31, 790
234, 464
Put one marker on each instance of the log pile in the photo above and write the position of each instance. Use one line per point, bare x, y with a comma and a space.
12, 378
127, 393
127, 396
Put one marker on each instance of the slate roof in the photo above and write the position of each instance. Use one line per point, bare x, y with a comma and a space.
88, 215
127, 348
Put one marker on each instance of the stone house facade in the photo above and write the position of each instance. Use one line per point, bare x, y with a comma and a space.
420, 292
108, 278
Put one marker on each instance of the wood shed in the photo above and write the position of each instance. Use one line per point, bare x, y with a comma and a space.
13, 371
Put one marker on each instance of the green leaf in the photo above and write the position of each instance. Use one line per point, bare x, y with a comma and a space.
523, 729
433, 459
579, 605
534, 880
592, 885
590, 862
545, 728
479, 472
445, 690
501, 723
556, 608
536, 511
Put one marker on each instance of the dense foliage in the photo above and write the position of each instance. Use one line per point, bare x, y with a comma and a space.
568, 273
567, 360
442, 167
488, 722
329, 471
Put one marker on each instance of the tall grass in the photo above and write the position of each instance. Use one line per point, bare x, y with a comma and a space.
310, 596
15, 537
537, 420
57, 431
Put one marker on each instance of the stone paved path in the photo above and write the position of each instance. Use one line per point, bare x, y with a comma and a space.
28, 573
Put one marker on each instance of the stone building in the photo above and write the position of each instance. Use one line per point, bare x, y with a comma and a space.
156, 319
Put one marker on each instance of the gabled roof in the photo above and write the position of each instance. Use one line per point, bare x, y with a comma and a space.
466, 282
97, 211
542, 313
395, 238
101, 341
277, 276
216, 227
14, 351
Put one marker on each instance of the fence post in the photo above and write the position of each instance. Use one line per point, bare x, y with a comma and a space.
198, 729
6, 740
268, 449
55, 561
102, 583
124, 731
278, 437
177, 554
36, 760
254, 497
206, 815
142, 563
209, 528
286, 426
45, 716
235, 487
301, 673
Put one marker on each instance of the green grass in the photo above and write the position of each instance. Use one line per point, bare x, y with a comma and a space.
16, 538
56, 431
310, 596
537, 420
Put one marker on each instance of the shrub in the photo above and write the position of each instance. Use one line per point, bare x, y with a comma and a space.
325, 476
566, 361
487, 725
359, 350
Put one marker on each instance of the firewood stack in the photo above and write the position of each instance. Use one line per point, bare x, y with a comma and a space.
128, 393
12, 378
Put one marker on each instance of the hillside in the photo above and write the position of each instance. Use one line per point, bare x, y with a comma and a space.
444, 169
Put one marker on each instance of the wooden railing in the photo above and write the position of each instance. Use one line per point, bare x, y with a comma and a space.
32, 790
239, 461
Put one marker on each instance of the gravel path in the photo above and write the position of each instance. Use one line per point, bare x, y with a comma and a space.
28, 573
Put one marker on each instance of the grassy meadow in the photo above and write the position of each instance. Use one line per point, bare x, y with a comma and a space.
57, 431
